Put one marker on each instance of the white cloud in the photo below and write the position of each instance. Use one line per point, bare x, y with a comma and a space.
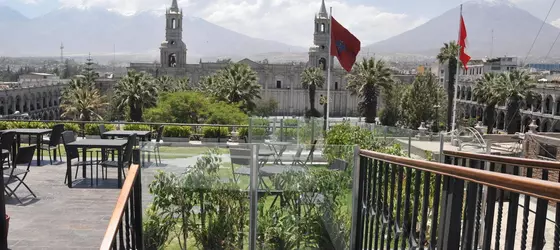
556, 23
289, 21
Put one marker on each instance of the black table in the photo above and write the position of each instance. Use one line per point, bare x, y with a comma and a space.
39, 133
103, 144
143, 135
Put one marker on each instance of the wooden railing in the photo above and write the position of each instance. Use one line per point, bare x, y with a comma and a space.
125, 227
404, 203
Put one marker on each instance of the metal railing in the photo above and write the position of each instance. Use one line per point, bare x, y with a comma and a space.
402, 203
125, 227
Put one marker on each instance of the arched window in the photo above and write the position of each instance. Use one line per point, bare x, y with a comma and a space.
173, 23
335, 85
323, 27
323, 63
172, 61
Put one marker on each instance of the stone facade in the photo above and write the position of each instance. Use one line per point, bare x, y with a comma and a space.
280, 82
35, 94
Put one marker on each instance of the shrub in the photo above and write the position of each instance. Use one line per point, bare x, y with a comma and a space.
290, 122
215, 132
156, 229
72, 127
177, 131
137, 127
93, 129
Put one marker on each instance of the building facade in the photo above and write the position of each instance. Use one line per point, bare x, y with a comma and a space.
34, 95
281, 82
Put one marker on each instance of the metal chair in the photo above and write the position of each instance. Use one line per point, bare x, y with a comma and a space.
7, 140
72, 153
153, 145
53, 142
126, 158
19, 171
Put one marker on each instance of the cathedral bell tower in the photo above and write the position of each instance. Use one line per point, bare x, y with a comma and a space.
173, 51
319, 54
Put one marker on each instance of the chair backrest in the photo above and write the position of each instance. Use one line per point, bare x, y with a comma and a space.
160, 133
102, 131
56, 134
7, 139
69, 137
25, 156
299, 151
127, 155
240, 156
311, 151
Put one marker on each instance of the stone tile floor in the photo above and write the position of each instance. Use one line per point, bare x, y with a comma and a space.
64, 218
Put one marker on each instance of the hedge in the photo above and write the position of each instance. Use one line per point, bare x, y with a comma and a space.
93, 129
137, 127
177, 131
215, 132
23, 124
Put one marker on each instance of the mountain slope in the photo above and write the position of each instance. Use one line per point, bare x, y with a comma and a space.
514, 32
97, 31
9, 15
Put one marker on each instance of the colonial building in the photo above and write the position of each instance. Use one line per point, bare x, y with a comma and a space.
281, 82
37, 95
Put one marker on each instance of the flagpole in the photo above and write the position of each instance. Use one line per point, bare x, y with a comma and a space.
453, 122
329, 63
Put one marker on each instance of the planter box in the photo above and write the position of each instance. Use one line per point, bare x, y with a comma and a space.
215, 140
175, 139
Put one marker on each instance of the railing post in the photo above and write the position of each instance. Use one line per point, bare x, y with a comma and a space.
253, 197
138, 222
3, 222
356, 199
281, 129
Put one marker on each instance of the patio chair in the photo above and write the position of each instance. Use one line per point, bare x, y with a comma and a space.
154, 145
19, 170
126, 158
7, 140
102, 131
242, 156
53, 142
74, 156
297, 158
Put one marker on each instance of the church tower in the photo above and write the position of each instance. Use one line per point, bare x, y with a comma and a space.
173, 51
320, 52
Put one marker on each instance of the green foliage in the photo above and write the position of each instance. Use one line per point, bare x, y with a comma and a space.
215, 132
93, 129
156, 229
311, 79
392, 105
82, 101
448, 55
194, 107
265, 108
423, 101
366, 80
137, 91
137, 127
4, 125
177, 131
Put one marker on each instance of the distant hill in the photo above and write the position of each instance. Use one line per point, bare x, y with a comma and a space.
514, 32
97, 30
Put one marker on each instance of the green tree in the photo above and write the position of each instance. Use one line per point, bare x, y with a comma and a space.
312, 78
237, 83
448, 54
421, 101
81, 101
266, 108
486, 92
514, 87
391, 112
366, 80
165, 83
138, 91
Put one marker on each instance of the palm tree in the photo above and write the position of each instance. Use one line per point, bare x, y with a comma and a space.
237, 83
165, 83
182, 84
82, 102
138, 91
486, 93
311, 78
448, 54
366, 80
514, 87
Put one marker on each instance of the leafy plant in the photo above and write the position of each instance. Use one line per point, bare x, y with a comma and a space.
93, 129
215, 132
137, 127
177, 131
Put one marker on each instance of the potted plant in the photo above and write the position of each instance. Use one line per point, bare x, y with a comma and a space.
215, 134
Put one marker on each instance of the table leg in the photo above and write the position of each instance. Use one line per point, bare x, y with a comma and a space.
39, 151
69, 170
120, 168
84, 166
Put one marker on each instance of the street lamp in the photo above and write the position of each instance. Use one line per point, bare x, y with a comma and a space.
323, 101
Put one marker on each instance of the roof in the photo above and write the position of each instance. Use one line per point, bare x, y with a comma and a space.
323, 11
174, 5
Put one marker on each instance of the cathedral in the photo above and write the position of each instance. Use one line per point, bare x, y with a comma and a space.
281, 82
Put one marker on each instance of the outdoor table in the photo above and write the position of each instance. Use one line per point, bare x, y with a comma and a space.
279, 169
103, 144
39, 133
278, 152
143, 135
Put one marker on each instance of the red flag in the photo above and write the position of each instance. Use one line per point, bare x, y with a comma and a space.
344, 45
463, 43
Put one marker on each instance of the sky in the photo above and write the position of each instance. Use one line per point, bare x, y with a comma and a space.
290, 21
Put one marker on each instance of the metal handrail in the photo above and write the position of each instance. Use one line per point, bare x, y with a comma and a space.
532, 187
514, 161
